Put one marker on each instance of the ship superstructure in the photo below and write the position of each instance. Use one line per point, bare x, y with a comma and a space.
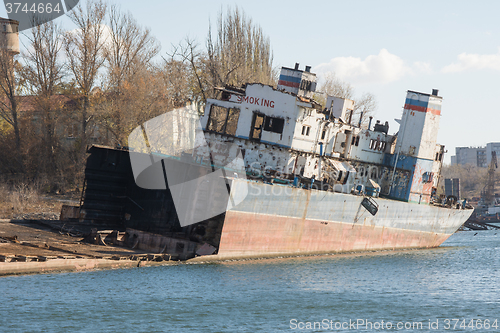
283, 135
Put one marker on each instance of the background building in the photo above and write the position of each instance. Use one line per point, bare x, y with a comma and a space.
475, 156
490, 147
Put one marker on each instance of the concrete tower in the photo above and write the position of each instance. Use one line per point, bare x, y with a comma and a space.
420, 124
9, 35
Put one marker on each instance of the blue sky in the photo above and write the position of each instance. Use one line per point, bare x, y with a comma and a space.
381, 47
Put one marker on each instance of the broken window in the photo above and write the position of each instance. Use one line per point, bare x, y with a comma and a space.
427, 177
275, 125
257, 123
232, 121
349, 114
223, 120
218, 115
305, 85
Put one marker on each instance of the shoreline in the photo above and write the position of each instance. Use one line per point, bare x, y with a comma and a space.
46, 246
73, 265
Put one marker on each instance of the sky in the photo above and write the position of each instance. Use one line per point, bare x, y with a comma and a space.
381, 47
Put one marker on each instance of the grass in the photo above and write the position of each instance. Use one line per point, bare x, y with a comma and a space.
23, 201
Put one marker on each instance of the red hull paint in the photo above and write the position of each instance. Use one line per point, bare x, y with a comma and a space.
249, 234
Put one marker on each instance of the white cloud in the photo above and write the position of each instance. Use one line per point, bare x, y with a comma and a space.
474, 61
422, 67
381, 68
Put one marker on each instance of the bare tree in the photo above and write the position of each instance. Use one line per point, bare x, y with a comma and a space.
129, 48
176, 75
9, 100
240, 52
185, 70
84, 50
128, 53
43, 73
364, 106
334, 86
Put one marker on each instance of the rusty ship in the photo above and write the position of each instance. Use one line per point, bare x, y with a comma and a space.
271, 172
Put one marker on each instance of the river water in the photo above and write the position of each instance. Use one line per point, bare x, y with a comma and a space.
413, 291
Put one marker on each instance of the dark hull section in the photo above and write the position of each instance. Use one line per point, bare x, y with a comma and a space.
111, 199
111, 196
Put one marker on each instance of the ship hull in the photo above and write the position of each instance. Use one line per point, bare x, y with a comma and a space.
280, 220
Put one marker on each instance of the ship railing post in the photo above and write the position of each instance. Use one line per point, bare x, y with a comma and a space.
319, 165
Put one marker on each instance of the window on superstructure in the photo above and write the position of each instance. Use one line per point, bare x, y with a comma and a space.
323, 134
257, 126
273, 124
305, 85
223, 120
349, 114
4, 27
306, 130
232, 121
427, 177
357, 141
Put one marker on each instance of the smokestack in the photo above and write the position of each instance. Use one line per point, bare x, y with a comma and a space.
370, 123
308, 68
435, 92
296, 66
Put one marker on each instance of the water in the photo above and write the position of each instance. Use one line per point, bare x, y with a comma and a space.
458, 280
